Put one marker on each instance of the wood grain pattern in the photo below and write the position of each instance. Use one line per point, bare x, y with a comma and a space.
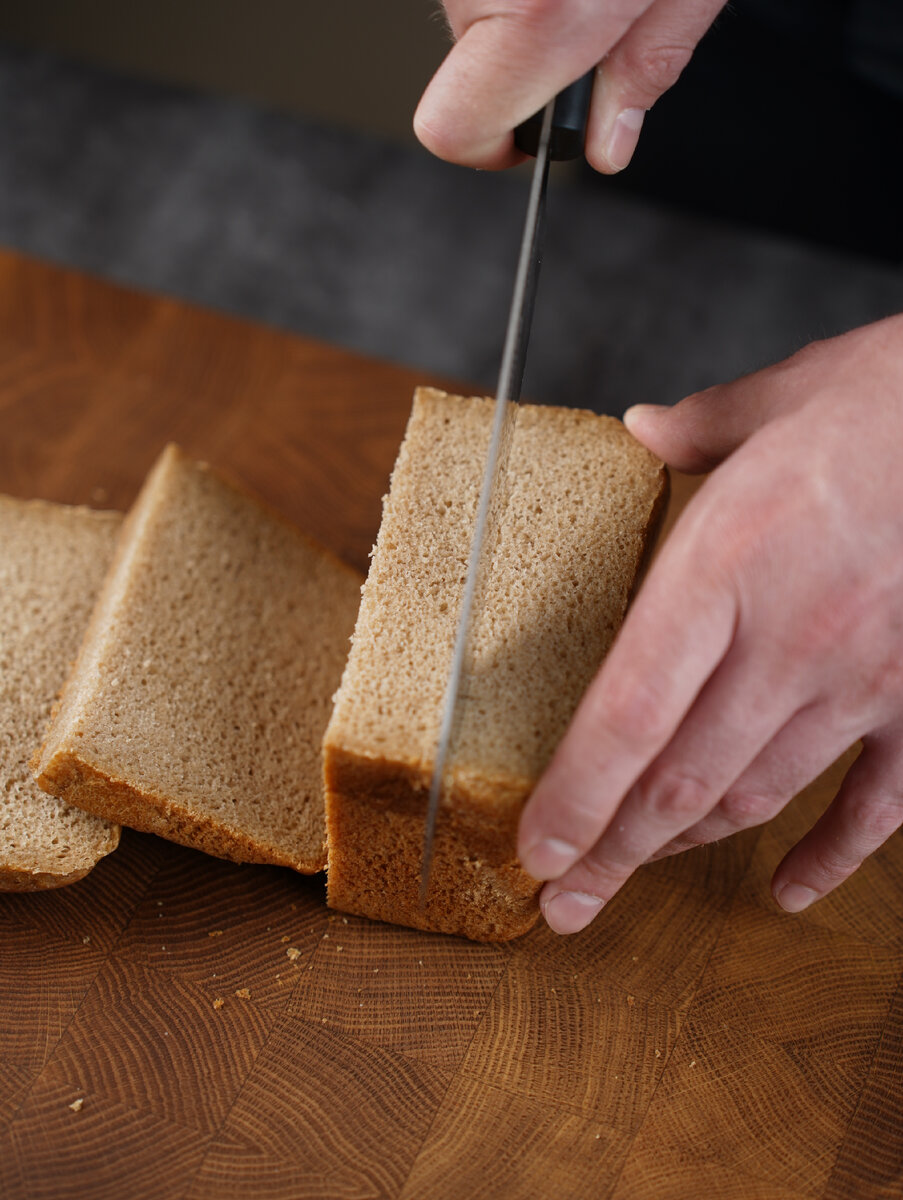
179, 1027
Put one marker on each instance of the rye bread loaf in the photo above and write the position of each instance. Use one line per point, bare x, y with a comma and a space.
53, 559
582, 500
205, 681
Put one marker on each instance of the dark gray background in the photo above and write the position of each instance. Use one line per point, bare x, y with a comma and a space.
365, 240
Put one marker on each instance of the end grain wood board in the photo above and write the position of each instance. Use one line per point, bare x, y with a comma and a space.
176, 1026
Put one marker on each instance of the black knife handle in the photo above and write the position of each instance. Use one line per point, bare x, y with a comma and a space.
568, 122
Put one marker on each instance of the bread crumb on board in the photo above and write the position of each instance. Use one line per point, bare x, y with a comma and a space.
218, 1003
293, 954
243, 993
215, 933
76, 1105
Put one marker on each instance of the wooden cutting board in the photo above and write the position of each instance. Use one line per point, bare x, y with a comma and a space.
177, 1026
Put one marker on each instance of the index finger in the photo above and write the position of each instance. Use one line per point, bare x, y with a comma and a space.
675, 635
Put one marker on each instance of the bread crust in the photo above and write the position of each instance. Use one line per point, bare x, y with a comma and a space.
88, 787
27, 879
374, 871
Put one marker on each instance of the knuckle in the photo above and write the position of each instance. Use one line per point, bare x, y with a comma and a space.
832, 865
675, 795
535, 14
886, 683
654, 68
634, 712
745, 808
875, 819
598, 876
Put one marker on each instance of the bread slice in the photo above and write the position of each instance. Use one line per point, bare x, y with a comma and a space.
582, 500
52, 562
198, 704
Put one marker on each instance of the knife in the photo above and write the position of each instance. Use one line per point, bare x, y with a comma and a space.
556, 132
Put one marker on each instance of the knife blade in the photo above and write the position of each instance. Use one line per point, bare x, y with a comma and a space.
556, 131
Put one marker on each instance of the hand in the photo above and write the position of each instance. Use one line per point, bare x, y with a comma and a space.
511, 58
766, 639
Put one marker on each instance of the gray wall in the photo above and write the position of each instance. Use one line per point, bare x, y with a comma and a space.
359, 63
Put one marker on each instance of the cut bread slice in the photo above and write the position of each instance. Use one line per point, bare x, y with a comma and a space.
583, 497
53, 559
204, 684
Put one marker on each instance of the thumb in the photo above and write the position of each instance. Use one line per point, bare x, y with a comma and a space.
703, 429
646, 61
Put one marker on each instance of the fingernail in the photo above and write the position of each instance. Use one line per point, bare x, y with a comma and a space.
794, 897
623, 138
549, 858
639, 410
569, 912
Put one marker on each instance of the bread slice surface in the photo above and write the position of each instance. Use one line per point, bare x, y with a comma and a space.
198, 704
53, 559
583, 497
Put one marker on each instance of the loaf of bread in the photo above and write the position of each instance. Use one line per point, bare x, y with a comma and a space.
204, 684
582, 501
53, 559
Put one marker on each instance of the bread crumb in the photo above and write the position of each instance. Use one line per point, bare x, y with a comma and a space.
339, 948
86, 941
76, 1105
630, 1000
285, 939
293, 953
344, 920
218, 1003
215, 933
658, 1054
159, 904
243, 993
693, 1062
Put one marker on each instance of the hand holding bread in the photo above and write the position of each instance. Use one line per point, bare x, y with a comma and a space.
765, 641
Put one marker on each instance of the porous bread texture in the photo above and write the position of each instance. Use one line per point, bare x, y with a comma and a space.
582, 501
198, 704
53, 559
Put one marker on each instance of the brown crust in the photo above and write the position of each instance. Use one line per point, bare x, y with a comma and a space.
374, 871
23, 879
91, 789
